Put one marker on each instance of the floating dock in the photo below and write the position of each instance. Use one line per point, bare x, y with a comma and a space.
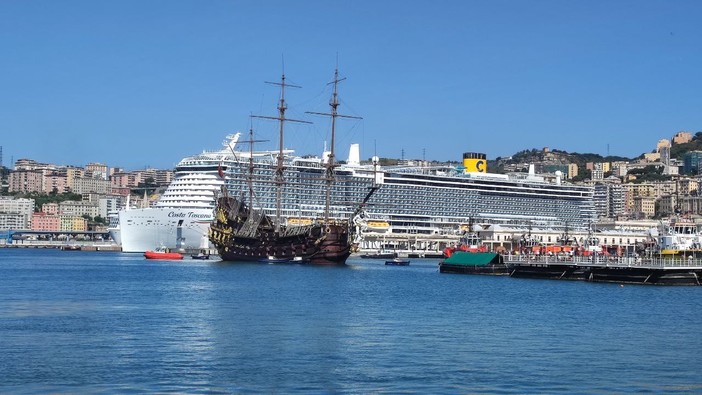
653, 270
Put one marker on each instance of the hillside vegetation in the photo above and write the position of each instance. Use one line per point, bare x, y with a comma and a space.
555, 156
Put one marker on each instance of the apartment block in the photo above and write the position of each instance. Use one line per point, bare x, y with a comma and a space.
70, 207
691, 162
45, 222
110, 204
16, 213
96, 170
610, 200
73, 223
25, 181
87, 185
572, 170
55, 182
14, 221
644, 207
50, 208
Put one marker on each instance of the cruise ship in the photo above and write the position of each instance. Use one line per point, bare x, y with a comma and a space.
408, 200
416, 200
180, 218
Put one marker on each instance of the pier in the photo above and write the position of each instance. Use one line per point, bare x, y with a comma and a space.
656, 270
61, 245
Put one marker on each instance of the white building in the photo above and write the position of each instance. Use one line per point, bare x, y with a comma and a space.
16, 213
110, 204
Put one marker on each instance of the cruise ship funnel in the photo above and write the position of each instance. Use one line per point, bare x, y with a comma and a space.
474, 162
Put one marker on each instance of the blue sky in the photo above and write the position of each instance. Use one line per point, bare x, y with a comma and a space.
145, 83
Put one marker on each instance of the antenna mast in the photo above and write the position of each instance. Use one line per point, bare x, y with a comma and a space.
330, 165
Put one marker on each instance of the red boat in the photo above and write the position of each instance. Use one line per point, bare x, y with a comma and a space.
470, 242
163, 253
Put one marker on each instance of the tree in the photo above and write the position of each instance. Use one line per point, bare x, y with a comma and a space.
41, 198
648, 173
583, 175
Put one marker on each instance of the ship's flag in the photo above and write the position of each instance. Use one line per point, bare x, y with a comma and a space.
219, 170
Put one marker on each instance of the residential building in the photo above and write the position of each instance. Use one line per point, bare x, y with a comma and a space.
598, 170
10, 221
691, 162
690, 204
30, 164
54, 182
572, 170
16, 213
45, 222
50, 208
123, 180
653, 190
73, 223
88, 185
72, 173
620, 168
115, 170
96, 170
25, 181
163, 177
668, 205
687, 186
109, 204
71, 207
601, 198
644, 207
609, 198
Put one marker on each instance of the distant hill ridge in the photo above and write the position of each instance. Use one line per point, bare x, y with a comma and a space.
556, 156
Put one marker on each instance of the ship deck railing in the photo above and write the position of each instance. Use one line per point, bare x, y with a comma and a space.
647, 262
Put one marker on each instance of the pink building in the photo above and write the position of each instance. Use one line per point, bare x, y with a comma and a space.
26, 181
122, 180
121, 191
55, 182
44, 221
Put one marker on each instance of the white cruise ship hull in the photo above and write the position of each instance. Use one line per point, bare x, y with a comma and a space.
115, 235
149, 228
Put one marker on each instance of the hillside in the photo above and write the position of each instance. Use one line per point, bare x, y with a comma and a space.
677, 151
555, 156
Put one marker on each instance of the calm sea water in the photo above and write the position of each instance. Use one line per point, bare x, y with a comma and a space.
82, 322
